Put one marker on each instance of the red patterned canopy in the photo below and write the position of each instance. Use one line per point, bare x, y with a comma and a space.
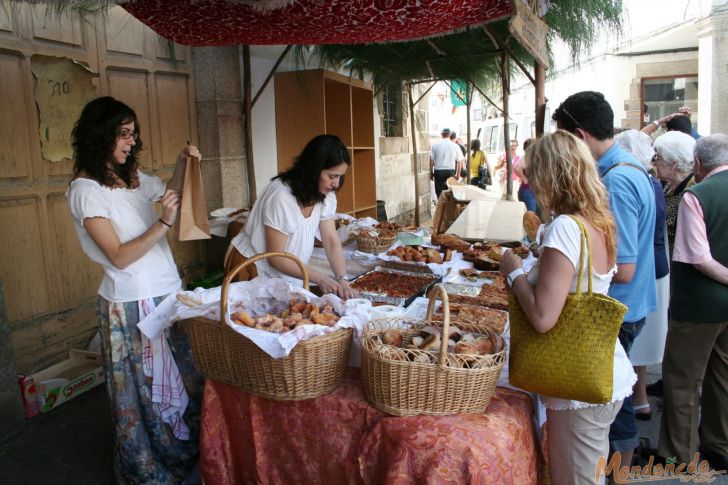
225, 22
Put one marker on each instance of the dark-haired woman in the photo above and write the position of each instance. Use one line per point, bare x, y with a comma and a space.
153, 386
288, 212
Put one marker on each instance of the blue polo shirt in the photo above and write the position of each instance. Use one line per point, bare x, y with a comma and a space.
632, 201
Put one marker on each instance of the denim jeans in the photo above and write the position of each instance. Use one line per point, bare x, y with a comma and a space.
526, 196
623, 432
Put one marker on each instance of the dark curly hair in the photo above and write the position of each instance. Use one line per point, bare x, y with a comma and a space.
321, 153
94, 138
589, 111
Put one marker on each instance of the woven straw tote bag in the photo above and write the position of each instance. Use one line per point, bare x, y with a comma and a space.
575, 359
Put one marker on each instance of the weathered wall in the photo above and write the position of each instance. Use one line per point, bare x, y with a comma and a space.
395, 176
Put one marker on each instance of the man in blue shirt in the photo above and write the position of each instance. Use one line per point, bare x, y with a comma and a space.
589, 117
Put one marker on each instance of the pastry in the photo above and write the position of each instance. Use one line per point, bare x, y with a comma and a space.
531, 222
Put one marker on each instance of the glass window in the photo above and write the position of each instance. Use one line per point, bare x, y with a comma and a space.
391, 104
664, 96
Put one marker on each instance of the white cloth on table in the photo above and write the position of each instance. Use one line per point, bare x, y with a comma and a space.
649, 346
563, 234
131, 213
278, 209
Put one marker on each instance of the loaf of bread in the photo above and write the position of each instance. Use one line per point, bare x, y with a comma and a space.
531, 222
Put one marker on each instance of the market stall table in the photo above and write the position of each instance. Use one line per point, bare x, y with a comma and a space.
340, 438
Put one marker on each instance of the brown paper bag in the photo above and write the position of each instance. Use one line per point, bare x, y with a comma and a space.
193, 222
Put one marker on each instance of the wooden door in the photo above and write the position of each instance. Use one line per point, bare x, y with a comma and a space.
50, 285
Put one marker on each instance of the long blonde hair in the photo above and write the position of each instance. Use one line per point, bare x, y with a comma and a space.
563, 175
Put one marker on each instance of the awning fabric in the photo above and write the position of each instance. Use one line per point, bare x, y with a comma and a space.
221, 22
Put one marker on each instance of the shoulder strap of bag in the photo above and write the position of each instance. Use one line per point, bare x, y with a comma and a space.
626, 164
585, 248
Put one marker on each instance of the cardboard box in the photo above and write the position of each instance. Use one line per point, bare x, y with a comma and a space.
62, 382
28, 392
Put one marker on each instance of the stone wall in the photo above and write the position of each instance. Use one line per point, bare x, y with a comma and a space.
673, 67
395, 176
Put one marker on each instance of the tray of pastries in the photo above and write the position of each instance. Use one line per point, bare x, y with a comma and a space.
493, 294
392, 286
489, 319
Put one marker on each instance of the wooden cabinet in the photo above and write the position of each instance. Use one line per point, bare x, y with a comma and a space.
314, 102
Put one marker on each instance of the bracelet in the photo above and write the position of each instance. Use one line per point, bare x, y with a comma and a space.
656, 123
511, 278
341, 277
168, 225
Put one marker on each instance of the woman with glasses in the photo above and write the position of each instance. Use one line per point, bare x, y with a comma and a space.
153, 386
673, 162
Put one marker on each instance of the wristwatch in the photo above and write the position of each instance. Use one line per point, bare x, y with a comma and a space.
341, 277
656, 123
513, 275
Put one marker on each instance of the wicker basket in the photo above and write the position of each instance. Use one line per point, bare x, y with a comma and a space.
398, 383
313, 368
373, 242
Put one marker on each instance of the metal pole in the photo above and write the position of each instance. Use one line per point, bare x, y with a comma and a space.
413, 134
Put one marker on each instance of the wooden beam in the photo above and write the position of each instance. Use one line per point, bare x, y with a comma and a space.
270, 74
425, 93
505, 86
540, 98
413, 134
248, 125
493, 35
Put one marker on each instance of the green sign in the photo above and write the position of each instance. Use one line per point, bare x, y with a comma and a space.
458, 93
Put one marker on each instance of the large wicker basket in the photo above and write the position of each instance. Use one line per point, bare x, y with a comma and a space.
314, 367
397, 385
374, 242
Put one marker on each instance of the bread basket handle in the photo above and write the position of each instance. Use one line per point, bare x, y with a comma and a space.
439, 290
248, 262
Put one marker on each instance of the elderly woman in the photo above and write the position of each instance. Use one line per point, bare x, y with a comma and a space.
649, 346
673, 161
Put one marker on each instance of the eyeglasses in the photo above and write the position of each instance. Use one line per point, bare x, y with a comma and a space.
126, 134
578, 125
656, 158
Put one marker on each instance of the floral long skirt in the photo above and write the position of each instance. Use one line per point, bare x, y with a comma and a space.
145, 450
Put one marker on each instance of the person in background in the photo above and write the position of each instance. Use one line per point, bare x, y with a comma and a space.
154, 388
287, 213
525, 194
632, 200
695, 369
446, 160
679, 121
499, 171
566, 183
673, 162
649, 346
479, 173
463, 172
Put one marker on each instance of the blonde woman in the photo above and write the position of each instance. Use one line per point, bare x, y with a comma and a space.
564, 178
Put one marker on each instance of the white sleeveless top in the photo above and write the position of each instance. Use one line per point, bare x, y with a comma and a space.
131, 212
278, 208
563, 234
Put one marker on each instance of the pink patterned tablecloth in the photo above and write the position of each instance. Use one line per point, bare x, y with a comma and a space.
340, 438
